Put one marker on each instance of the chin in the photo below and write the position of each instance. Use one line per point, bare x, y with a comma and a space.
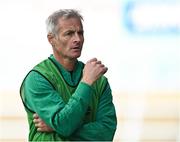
76, 55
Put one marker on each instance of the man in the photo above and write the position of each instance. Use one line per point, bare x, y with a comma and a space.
64, 98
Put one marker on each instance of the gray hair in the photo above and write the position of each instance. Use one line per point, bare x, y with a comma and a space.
52, 20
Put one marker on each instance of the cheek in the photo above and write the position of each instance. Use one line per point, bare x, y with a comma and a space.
62, 42
82, 40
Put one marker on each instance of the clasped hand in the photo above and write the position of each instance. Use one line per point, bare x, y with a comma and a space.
93, 70
40, 124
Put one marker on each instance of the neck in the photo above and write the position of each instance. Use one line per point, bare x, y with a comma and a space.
68, 64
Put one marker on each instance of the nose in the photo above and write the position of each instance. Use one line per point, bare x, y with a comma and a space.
77, 37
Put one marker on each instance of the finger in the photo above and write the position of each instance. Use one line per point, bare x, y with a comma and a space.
37, 125
39, 129
37, 120
92, 60
44, 129
98, 62
40, 125
35, 116
101, 65
105, 70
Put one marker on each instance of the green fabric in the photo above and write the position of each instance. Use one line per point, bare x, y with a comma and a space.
75, 110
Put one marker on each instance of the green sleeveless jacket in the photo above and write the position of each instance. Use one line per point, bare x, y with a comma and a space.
50, 72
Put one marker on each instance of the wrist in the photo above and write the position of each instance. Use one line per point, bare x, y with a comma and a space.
89, 82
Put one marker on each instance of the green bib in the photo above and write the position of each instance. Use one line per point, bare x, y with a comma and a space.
49, 70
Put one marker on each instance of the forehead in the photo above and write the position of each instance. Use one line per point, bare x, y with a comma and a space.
70, 23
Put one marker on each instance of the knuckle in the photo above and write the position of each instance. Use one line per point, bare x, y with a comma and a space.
36, 125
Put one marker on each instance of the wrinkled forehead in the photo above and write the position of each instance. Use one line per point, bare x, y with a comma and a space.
70, 23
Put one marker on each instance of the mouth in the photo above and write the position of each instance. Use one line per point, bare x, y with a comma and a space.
76, 48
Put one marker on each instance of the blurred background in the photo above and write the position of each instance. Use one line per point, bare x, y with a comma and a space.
139, 41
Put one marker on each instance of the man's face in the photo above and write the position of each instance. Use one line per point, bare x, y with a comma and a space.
70, 38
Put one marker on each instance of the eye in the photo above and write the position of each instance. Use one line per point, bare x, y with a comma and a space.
69, 33
81, 33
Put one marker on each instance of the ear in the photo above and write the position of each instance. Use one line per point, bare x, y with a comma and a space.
51, 38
